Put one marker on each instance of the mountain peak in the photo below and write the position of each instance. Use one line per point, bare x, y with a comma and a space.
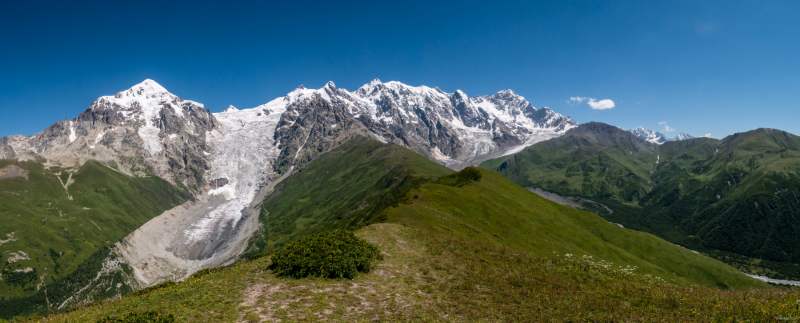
147, 87
230, 109
330, 85
682, 136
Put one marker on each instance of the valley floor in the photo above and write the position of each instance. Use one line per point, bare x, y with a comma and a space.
434, 277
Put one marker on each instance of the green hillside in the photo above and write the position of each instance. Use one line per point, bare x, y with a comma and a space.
594, 160
734, 198
49, 231
347, 187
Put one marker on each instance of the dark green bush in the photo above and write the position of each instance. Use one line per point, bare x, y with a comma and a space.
333, 254
464, 177
138, 317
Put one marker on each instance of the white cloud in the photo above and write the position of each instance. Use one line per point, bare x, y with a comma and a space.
601, 105
708, 135
666, 127
592, 102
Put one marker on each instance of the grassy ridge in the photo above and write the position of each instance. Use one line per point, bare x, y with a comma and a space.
56, 230
495, 210
344, 188
739, 194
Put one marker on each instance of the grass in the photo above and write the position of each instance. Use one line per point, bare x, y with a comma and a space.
428, 276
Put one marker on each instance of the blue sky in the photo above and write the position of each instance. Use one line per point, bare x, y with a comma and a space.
715, 67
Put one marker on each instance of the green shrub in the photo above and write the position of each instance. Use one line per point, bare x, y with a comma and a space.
333, 254
138, 317
464, 177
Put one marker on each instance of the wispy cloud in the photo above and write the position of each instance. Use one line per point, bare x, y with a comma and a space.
577, 100
592, 102
708, 135
707, 28
666, 127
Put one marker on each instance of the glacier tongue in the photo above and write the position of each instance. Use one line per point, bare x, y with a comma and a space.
243, 152
214, 229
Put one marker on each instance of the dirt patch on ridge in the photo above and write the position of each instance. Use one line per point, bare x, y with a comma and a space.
12, 171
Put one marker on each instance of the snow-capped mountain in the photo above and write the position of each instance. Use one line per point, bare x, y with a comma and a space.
232, 158
655, 136
682, 136
145, 122
451, 128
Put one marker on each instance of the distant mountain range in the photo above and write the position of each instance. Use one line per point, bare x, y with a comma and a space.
657, 137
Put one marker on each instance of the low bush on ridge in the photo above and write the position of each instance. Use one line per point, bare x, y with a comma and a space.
333, 254
464, 177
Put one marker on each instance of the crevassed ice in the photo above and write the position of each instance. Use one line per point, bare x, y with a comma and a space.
243, 152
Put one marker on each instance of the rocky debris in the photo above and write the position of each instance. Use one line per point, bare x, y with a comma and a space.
10, 237
12, 171
13, 257
218, 182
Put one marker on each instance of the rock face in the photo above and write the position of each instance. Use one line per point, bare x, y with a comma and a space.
451, 128
231, 159
12, 171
